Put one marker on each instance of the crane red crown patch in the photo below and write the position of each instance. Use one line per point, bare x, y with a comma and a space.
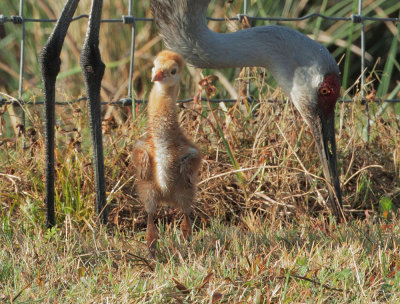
328, 93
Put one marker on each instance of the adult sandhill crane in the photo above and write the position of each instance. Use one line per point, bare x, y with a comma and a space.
167, 163
302, 67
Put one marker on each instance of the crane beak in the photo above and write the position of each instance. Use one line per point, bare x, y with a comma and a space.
323, 129
157, 76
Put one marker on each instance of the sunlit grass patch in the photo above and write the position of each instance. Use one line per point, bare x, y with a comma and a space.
301, 260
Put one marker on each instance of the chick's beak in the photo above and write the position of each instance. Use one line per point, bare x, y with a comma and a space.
157, 76
323, 129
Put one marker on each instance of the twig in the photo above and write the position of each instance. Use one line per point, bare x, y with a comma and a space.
235, 171
144, 260
359, 171
312, 281
357, 273
19, 293
10, 176
261, 167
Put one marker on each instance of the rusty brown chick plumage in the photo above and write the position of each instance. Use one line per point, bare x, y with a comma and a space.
167, 162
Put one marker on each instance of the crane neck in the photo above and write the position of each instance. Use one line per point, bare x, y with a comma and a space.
182, 24
162, 113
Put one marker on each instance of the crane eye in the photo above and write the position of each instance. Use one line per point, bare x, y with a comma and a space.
173, 71
324, 91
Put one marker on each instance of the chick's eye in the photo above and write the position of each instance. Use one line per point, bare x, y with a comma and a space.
324, 91
173, 71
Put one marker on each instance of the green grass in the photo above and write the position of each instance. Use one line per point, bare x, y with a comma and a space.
305, 260
277, 244
266, 238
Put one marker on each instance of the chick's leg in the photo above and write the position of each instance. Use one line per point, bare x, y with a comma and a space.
151, 235
186, 226
150, 197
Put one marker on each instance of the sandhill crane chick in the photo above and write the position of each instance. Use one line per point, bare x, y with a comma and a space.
167, 162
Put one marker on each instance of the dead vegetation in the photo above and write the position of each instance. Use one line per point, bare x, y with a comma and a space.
262, 231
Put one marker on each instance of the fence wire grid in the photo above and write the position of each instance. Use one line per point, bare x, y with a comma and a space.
20, 20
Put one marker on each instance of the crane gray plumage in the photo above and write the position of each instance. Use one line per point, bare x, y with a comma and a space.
298, 63
264, 46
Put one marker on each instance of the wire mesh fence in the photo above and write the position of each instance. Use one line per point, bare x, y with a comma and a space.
130, 20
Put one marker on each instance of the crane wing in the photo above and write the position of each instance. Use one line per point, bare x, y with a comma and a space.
189, 164
142, 160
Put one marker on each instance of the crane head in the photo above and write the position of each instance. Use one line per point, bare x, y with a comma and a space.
167, 69
328, 93
318, 111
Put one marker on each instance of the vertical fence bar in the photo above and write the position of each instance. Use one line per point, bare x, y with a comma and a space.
245, 6
21, 65
130, 90
363, 68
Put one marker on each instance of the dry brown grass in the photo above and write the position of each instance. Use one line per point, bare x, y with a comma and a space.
272, 145
267, 238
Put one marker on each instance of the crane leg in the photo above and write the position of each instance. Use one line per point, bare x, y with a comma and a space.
151, 235
49, 61
186, 226
93, 70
